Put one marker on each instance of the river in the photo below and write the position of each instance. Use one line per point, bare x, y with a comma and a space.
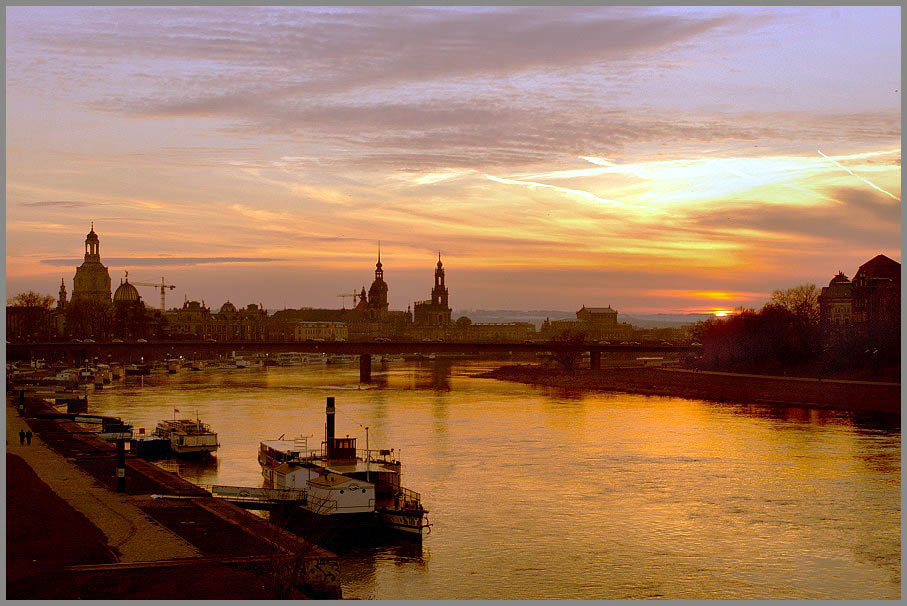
546, 493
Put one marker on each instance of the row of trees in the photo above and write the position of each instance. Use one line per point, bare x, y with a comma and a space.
786, 334
783, 334
31, 317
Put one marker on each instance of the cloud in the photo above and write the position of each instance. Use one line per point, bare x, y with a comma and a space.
160, 261
60, 204
362, 48
855, 216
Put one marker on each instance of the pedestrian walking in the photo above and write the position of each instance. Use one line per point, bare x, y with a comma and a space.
28, 437
21, 437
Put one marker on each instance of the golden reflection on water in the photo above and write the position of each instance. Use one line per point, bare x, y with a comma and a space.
547, 493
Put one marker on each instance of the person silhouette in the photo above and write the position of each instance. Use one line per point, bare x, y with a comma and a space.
28, 437
21, 437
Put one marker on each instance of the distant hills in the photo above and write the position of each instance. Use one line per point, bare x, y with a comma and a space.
537, 316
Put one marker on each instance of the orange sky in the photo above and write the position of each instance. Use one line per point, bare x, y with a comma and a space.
657, 160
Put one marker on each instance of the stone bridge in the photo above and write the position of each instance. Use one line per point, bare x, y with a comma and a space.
76, 353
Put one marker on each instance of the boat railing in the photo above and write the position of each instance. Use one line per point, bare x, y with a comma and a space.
386, 456
404, 497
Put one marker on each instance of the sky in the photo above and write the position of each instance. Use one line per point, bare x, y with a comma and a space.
658, 160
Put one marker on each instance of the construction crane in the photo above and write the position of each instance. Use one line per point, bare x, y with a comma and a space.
345, 295
163, 286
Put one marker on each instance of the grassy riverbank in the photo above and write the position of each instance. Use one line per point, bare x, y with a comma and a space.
861, 397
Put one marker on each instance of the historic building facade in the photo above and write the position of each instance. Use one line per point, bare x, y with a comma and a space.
836, 305
865, 312
597, 323
321, 331
232, 324
191, 322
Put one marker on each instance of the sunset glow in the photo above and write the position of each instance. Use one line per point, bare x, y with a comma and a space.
674, 169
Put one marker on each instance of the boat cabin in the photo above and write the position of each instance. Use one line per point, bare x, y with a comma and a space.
339, 450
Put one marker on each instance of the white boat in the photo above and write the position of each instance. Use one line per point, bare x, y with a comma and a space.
341, 359
187, 436
173, 366
289, 358
241, 363
350, 487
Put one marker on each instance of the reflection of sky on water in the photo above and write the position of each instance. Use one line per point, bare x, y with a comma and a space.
542, 493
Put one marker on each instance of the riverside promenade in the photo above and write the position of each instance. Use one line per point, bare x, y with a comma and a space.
70, 535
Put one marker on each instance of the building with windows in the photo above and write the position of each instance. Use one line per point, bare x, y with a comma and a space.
867, 310
497, 332
836, 305
321, 331
596, 323
232, 324
191, 322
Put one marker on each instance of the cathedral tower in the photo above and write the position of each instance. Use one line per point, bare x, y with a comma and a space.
61, 299
92, 281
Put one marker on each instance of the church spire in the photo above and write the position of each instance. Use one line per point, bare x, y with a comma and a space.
379, 273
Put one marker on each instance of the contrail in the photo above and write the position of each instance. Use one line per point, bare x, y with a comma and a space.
576, 192
866, 181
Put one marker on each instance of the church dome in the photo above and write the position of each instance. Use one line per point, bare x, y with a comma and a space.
91, 235
126, 293
228, 308
840, 278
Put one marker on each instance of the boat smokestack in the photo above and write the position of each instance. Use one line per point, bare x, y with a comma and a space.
329, 427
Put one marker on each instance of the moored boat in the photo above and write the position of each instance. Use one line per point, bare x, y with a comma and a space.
343, 485
187, 436
138, 369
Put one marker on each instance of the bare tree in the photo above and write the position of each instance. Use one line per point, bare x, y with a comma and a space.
32, 299
569, 358
802, 301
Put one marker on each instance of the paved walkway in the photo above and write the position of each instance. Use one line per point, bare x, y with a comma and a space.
127, 528
815, 380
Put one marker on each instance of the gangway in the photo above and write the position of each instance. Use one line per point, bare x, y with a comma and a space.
261, 498
249, 497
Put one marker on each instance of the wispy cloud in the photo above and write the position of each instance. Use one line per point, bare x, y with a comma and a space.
162, 261
60, 204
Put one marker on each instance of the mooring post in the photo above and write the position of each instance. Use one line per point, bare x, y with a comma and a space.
595, 360
121, 465
365, 368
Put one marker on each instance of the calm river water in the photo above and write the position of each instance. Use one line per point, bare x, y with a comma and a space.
542, 493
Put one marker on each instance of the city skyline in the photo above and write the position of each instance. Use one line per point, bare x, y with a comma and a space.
258, 155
